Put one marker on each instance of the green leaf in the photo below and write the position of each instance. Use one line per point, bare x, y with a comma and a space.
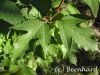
55, 3
53, 50
10, 13
70, 54
72, 9
72, 35
34, 13
25, 13
44, 63
6, 61
94, 6
71, 20
2, 39
64, 50
8, 47
31, 26
13, 68
64, 10
73, 59
25, 71
82, 36
44, 38
32, 64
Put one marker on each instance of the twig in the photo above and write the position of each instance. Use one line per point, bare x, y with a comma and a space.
58, 9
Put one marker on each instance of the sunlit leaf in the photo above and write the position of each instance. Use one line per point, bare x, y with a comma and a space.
31, 26
82, 36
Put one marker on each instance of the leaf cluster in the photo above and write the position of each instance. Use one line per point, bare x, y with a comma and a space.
44, 31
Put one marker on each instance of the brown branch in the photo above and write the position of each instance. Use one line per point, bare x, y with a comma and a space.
59, 7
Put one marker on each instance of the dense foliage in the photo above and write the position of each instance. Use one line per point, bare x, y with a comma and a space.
36, 33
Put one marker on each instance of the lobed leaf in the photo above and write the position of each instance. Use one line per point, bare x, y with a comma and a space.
32, 27
82, 36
